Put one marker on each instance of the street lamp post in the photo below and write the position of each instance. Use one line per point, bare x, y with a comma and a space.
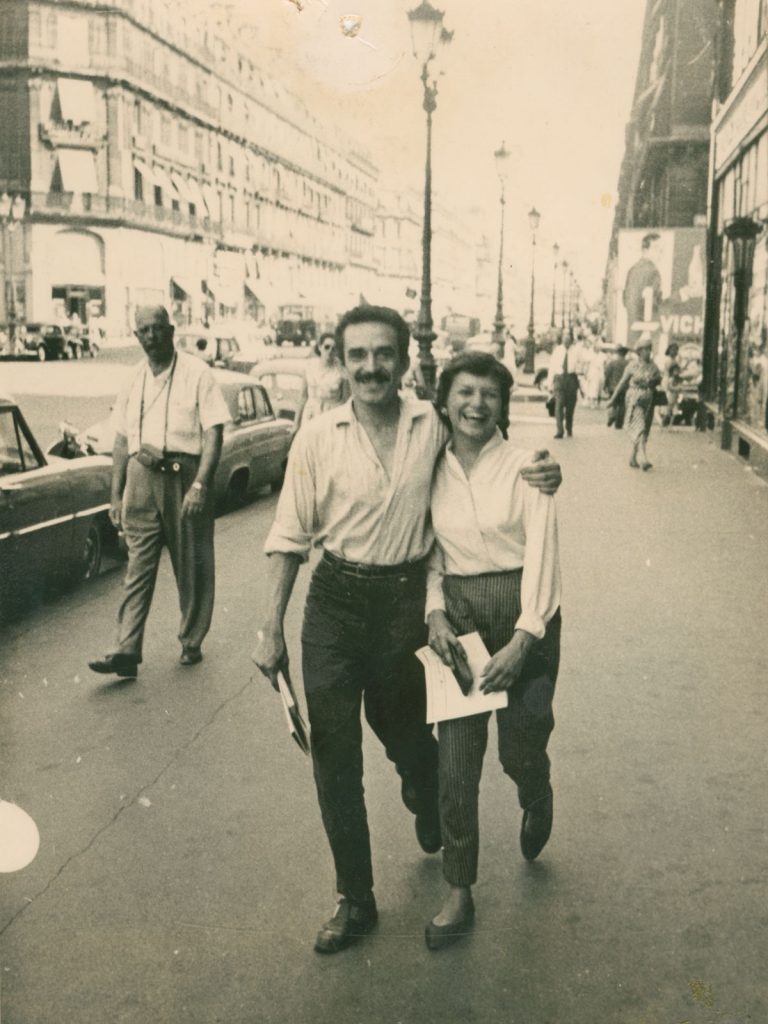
501, 157
534, 219
556, 251
12, 210
427, 36
564, 269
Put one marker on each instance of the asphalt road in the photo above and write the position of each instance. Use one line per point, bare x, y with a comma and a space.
183, 873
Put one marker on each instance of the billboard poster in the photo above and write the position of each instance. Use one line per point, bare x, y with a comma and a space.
660, 284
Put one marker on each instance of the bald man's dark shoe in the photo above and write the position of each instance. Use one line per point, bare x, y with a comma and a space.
536, 826
124, 665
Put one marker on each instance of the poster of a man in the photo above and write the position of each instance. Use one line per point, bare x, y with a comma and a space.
642, 291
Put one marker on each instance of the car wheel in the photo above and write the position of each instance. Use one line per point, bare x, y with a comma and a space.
89, 559
237, 490
42, 355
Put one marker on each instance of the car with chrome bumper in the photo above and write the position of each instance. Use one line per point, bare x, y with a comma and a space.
54, 522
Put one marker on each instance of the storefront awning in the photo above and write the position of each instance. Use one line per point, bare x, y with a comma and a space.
165, 183
182, 284
144, 171
76, 100
250, 287
182, 188
212, 202
78, 170
197, 197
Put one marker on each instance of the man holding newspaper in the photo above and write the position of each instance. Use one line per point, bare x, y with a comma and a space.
358, 483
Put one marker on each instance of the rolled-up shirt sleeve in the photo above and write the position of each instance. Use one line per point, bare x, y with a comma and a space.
294, 526
119, 416
212, 408
435, 573
541, 587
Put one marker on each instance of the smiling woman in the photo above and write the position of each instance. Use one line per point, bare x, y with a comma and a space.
494, 571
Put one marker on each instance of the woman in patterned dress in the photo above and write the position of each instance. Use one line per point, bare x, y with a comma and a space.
641, 378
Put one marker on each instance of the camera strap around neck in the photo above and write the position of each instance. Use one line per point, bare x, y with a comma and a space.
167, 383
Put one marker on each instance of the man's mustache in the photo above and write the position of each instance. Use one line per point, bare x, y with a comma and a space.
374, 377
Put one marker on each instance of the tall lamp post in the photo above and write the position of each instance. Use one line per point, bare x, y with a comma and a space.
741, 233
427, 36
534, 219
12, 210
564, 279
501, 157
556, 252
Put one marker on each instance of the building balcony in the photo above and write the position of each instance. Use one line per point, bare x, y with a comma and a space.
71, 136
320, 245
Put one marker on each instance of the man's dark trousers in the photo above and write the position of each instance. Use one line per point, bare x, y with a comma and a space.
566, 389
358, 641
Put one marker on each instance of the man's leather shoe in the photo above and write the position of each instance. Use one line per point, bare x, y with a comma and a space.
191, 656
438, 936
124, 665
350, 922
428, 830
536, 826
558, 435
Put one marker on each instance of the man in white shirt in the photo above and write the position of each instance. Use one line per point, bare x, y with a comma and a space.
358, 483
168, 423
564, 383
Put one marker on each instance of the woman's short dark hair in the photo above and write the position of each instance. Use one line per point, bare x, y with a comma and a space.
479, 364
319, 343
375, 315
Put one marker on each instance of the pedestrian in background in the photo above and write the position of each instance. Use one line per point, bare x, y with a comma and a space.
614, 371
564, 383
168, 423
640, 380
326, 380
595, 375
358, 482
670, 383
495, 570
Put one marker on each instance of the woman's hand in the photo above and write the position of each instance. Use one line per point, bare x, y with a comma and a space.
504, 668
446, 645
543, 473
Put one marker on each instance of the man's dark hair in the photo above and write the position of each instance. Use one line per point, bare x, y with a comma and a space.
375, 315
479, 364
650, 238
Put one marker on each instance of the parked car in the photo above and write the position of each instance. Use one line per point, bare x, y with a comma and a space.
54, 521
48, 341
256, 441
285, 379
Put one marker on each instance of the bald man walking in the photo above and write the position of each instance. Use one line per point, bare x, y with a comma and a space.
168, 424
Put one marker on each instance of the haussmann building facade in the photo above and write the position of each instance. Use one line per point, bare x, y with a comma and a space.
146, 160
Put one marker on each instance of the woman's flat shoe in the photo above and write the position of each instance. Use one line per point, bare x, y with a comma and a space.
438, 936
647, 465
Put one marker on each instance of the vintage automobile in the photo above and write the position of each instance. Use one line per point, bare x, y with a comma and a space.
54, 521
221, 348
255, 448
46, 341
285, 378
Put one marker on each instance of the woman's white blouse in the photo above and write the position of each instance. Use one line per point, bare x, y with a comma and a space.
493, 521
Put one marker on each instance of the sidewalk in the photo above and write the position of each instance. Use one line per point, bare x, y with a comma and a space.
183, 871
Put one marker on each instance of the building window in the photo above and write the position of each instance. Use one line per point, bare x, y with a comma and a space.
231, 166
138, 186
165, 130
183, 138
137, 118
158, 196
219, 158
199, 145
52, 30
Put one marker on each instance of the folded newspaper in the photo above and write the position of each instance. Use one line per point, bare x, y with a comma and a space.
445, 699
296, 724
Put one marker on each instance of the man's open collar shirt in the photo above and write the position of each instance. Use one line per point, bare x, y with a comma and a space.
337, 493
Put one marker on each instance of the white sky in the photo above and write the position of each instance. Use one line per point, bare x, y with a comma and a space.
552, 77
